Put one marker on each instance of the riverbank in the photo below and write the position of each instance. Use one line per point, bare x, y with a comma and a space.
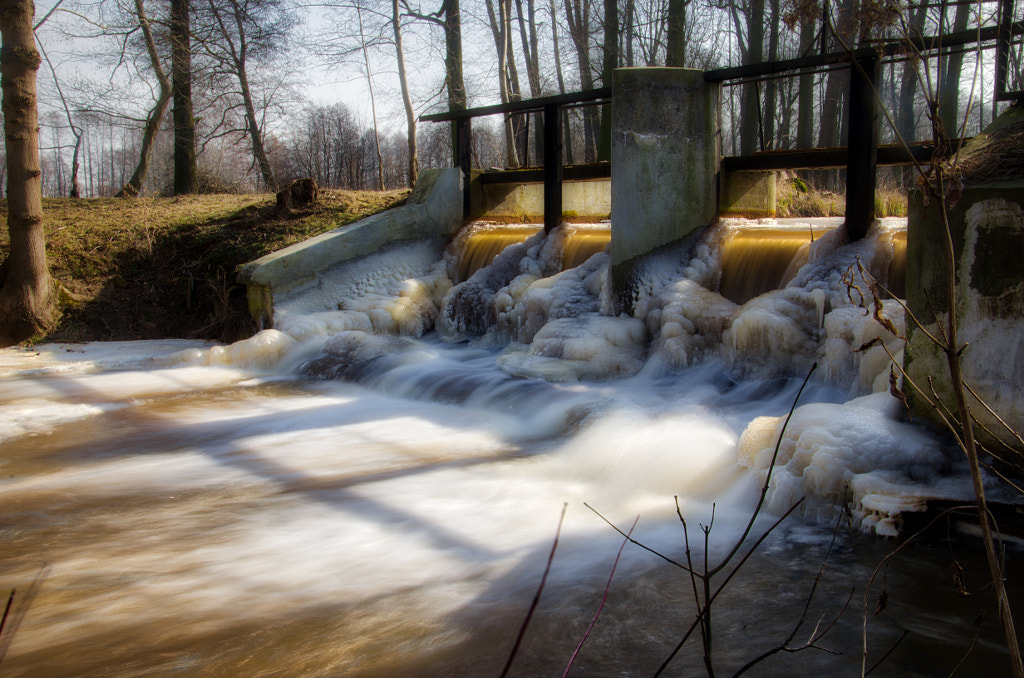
157, 268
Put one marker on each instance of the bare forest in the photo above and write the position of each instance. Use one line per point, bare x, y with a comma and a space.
158, 97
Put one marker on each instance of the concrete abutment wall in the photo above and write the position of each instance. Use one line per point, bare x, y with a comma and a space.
986, 224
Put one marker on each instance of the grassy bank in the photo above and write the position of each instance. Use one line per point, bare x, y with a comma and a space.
151, 268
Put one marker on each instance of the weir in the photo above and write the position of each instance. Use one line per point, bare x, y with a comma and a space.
371, 487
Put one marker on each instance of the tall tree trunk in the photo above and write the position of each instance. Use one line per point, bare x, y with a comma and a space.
186, 171
805, 116
156, 116
453, 66
76, 191
627, 31
577, 14
373, 102
750, 127
239, 54
675, 51
608, 65
520, 122
27, 305
531, 52
561, 84
950, 78
403, 81
772, 86
499, 29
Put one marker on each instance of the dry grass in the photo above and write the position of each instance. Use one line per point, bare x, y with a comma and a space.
795, 198
165, 267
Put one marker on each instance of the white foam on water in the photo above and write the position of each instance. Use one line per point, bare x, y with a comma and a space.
36, 416
421, 471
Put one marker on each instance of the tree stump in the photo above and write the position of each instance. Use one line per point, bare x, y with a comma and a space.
299, 193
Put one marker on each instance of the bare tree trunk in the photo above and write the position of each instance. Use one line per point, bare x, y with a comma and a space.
410, 114
239, 54
531, 52
950, 78
520, 122
499, 29
561, 84
453, 65
627, 31
185, 168
76, 191
771, 86
27, 305
750, 126
577, 14
373, 102
805, 116
156, 116
676, 36
608, 64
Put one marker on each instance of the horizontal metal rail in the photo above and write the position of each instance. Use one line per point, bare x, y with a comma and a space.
863, 133
830, 158
534, 175
525, 106
894, 48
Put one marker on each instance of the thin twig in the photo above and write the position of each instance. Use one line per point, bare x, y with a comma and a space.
884, 565
7, 610
536, 597
604, 599
784, 645
887, 653
635, 542
12, 622
746, 557
764, 488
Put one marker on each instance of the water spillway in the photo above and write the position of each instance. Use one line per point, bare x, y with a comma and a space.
372, 488
482, 242
755, 257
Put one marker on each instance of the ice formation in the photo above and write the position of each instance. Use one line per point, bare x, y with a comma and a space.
857, 453
556, 325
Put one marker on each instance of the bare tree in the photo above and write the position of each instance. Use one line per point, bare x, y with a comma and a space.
156, 114
244, 34
186, 171
577, 14
410, 114
501, 25
560, 76
27, 305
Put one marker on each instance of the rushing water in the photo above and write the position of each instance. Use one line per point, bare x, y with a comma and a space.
392, 515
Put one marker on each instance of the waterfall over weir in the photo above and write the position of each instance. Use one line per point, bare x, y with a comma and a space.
372, 488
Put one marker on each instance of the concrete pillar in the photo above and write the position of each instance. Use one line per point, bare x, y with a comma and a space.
986, 223
665, 162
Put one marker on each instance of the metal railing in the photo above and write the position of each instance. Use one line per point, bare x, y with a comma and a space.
861, 156
553, 172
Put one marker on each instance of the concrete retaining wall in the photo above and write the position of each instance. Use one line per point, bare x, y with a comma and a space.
747, 194
584, 201
432, 212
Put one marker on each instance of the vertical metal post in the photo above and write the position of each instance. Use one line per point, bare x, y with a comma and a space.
464, 153
552, 167
863, 147
1003, 51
